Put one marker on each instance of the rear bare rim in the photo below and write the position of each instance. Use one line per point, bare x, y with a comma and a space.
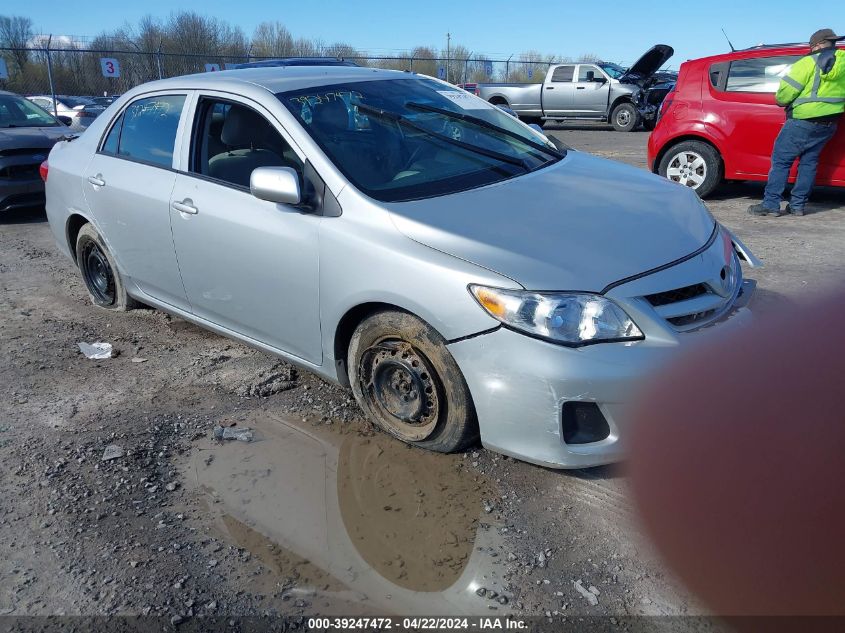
693, 164
407, 382
99, 271
97, 274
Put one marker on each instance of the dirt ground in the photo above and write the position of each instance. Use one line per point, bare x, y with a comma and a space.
319, 514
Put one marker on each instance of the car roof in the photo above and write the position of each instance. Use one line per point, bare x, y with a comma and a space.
277, 78
762, 50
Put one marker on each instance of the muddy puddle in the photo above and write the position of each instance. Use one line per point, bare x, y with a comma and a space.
346, 519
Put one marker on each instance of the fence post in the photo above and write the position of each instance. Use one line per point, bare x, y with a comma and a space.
50, 76
411, 62
466, 68
508, 69
158, 58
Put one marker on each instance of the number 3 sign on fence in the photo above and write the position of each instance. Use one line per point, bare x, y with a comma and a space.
110, 67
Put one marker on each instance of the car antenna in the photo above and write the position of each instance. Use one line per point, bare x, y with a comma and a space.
729, 41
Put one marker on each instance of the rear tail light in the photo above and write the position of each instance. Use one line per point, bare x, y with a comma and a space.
667, 103
43, 169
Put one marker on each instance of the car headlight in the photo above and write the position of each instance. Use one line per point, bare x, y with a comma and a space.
569, 318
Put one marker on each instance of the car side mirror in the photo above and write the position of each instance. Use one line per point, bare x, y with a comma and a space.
276, 184
65, 119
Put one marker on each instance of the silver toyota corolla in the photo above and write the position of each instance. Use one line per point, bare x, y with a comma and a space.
396, 234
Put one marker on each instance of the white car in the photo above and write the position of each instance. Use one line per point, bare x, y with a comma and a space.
80, 110
398, 235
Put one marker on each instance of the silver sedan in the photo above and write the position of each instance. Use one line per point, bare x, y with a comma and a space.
390, 232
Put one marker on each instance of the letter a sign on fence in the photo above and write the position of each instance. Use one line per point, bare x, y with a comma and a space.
110, 67
4, 72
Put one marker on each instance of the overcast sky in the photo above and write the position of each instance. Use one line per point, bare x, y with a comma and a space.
614, 30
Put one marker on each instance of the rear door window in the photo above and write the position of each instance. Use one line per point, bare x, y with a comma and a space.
563, 73
146, 131
760, 74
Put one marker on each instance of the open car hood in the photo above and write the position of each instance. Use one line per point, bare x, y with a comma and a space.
649, 63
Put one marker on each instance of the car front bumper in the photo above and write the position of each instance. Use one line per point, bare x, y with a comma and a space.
519, 386
15, 194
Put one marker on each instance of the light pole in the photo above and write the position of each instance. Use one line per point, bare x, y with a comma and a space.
448, 53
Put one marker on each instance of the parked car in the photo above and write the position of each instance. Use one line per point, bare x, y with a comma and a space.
599, 91
721, 121
80, 110
396, 234
26, 135
293, 61
104, 101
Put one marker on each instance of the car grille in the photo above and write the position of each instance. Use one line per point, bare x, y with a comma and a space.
679, 294
19, 172
695, 306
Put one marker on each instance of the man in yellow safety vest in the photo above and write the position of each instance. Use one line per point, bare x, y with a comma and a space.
813, 94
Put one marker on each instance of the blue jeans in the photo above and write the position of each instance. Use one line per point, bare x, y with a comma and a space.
802, 140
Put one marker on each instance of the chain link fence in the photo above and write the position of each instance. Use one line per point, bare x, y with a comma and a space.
85, 72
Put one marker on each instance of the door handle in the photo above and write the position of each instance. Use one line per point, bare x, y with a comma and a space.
550, 87
97, 180
579, 88
186, 206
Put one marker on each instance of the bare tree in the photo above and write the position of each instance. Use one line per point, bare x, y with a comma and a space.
16, 33
272, 39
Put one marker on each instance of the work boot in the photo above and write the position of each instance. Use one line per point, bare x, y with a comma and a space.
759, 209
793, 210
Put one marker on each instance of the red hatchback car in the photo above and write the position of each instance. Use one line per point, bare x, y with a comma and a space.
721, 121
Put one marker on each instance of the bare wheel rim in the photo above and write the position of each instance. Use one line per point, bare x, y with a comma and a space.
403, 388
688, 169
623, 117
97, 273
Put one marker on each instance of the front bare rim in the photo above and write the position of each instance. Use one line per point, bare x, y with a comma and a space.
687, 168
405, 389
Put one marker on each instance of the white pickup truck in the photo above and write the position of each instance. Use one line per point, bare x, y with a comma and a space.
599, 91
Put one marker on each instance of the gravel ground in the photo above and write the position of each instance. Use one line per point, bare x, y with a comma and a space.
320, 514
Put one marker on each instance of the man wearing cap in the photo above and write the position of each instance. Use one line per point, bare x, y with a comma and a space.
813, 94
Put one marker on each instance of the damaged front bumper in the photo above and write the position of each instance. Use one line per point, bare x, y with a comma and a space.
565, 407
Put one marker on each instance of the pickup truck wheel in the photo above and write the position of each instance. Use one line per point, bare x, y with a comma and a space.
99, 272
407, 382
693, 164
625, 117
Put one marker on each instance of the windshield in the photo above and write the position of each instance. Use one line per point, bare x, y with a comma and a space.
392, 148
18, 112
614, 70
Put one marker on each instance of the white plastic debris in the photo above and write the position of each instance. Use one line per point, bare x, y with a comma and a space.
96, 351
233, 433
139, 360
113, 451
589, 595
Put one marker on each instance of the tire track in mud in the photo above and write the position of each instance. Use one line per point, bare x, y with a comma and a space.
609, 497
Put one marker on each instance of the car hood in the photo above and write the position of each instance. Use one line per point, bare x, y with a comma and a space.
581, 224
649, 63
31, 137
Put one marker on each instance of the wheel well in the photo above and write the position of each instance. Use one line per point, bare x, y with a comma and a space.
620, 100
681, 139
345, 329
74, 223
498, 101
